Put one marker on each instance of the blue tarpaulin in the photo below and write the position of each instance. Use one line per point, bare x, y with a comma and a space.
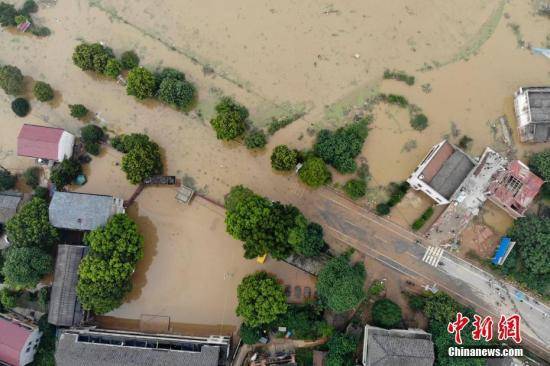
502, 250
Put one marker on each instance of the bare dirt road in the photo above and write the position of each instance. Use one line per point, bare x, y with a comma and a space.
398, 249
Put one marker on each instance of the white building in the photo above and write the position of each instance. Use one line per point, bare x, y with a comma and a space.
18, 341
532, 106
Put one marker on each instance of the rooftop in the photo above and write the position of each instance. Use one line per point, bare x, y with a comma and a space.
8, 205
64, 308
39, 141
104, 348
13, 336
82, 211
397, 347
539, 104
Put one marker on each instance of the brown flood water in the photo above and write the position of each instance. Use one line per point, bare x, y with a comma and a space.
275, 58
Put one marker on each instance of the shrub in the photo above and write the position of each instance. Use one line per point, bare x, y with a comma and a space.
7, 15
90, 56
141, 83
92, 148
399, 75
229, 122
398, 100
117, 143
11, 80
32, 177
25, 266
416, 302
249, 335
277, 123
142, 160
177, 93
43, 298
129, 60
42, 193
382, 209
113, 68
255, 140
283, 159
92, 133
417, 225
78, 111
314, 172
20, 106
20, 19
40, 31
7, 180
29, 7
376, 288
419, 122
340, 350
465, 142
355, 188
170, 73
386, 314
43, 91
8, 299
398, 191
65, 173
31, 227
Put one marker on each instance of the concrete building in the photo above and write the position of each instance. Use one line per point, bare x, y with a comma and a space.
532, 106
116, 348
18, 341
82, 211
9, 204
441, 172
397, 347
46, 143
64, 309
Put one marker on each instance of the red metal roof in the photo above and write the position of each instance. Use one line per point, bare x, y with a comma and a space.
12, 340
39, 142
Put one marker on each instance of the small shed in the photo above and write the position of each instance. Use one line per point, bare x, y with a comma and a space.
9, 203
64, 308
45, 143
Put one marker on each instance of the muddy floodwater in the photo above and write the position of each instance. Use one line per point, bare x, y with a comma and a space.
321, 59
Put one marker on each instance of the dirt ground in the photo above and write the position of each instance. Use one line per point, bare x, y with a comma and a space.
276, 58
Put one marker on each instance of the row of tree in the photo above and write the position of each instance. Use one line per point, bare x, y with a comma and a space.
168, 85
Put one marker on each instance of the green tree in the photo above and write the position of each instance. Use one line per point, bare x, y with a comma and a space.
24, 267
141, 83
142, 161
382, 209
249, 335
419, 122
261, 299
29, 7
31, 227
65, 173
340, 284
340, 350
170, 73
339, 148
45, 354
255, 140
7, 15
177, 93
386, 314
314, 172
113, 68
105, 273
283, 159
11, 80
78, 111
129, 60
92, 57
20, 106
306, 238
355, 188
8, 298
32, 176
305, 322
43, 91
92, 133
7, 180
540, 164
230, 120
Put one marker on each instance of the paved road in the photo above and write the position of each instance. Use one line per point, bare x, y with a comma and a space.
398, 249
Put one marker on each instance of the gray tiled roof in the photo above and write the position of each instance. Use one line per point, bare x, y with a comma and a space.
398, 347
8, 206
452, 174
64, 308
69, 352
81, 211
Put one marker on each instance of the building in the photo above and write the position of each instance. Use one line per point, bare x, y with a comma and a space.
9, 204
514, 188
64, 309
82, 211
441, 172
532, 106
18, 341
115, 348
397, 347
46, 143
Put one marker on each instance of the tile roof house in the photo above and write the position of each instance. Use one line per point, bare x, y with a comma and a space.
116, 348
45, 143
18, 341
82, 211
64, 309
532, 107
9, 203
396, 347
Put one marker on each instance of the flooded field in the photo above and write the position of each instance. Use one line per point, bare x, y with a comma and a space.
325, 59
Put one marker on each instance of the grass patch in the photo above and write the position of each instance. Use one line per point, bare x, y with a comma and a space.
278, 123
395, 99
419, 121
399, 76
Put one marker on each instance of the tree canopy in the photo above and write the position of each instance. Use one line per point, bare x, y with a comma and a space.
78, 110
141, 83
339, 148
20, 106
314, 172
386, 314
25, 266
7, 14
230, 120
7, 180
340, 284
105, 273
129, 60
43, 91
283, 158
142, 159
355, 188
540, 164
11, 80
261, 299
92, 56
306, 238
255, 140
177, 93
340, 350
65, 173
